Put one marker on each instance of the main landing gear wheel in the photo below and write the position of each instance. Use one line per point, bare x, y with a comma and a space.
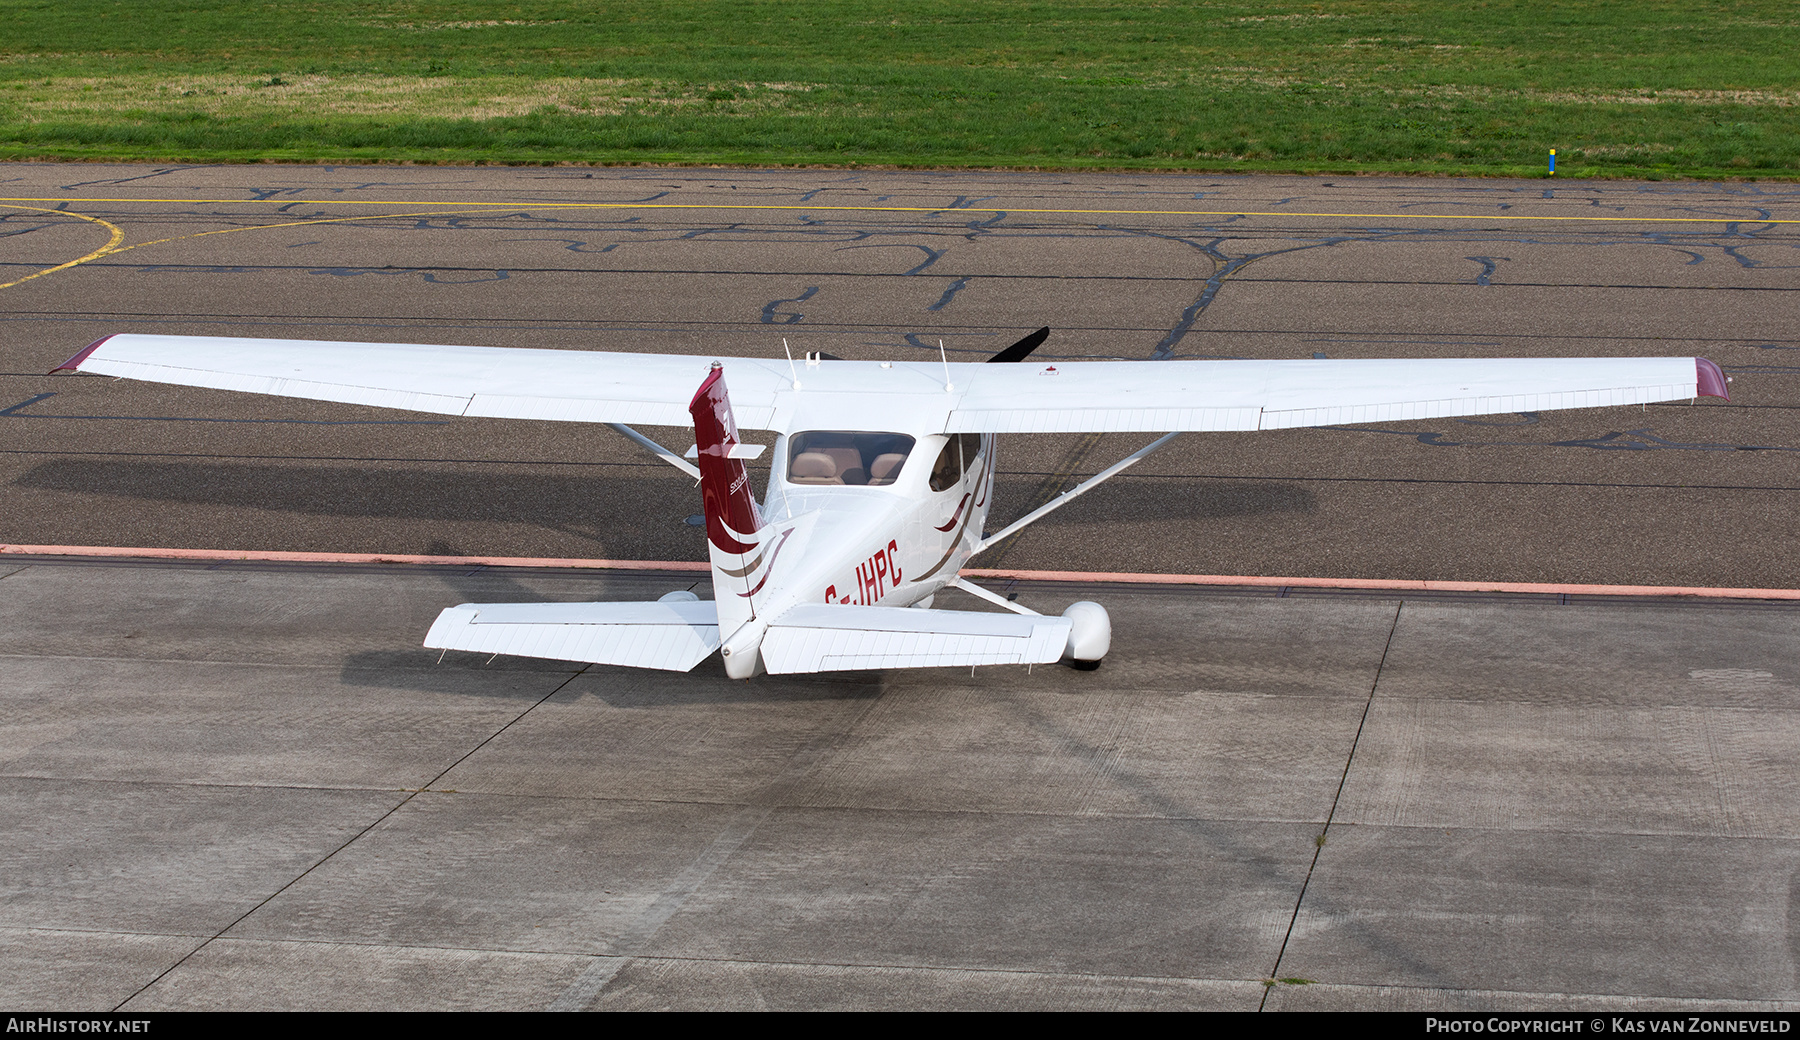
1090, 634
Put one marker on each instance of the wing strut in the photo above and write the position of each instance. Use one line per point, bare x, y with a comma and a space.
1077, 491
980, 593
656, 449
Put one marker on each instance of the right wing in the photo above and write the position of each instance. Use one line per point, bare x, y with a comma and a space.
497, 382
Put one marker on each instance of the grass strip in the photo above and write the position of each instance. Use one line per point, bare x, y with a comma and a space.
1645, 89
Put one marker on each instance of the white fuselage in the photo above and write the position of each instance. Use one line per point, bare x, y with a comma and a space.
894, 544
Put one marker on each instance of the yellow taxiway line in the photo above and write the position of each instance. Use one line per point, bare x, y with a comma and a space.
113, 248
463, 208
112, 245
931, 209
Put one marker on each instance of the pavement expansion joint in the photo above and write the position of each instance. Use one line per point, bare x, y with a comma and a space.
1320, 842
521, 951
971, 969
231, 663
1488, 998
67, 930
205, 784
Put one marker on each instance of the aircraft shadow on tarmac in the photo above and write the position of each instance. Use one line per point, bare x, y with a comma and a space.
1149, 499
584, 504
421, 671
627, 509
375, 491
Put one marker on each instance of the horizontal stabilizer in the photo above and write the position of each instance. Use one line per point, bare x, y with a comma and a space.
822, 637
735, 451
673, 636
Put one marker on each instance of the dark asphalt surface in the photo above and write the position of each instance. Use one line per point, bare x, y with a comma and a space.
1343, 267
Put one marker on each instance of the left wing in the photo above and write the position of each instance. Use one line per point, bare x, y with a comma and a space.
1135, 396
963, 397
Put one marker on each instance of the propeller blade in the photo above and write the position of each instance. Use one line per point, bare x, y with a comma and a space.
1021, 350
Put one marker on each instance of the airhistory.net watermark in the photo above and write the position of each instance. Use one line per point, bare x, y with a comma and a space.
66, 1024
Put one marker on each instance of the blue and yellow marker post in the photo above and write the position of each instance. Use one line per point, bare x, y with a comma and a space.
1552, 162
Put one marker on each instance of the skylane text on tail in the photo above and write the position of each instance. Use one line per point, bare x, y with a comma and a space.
881, 477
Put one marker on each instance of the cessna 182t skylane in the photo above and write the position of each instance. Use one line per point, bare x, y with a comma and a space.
882, 475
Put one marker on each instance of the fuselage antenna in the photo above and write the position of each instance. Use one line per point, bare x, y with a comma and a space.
949, 387
791, 370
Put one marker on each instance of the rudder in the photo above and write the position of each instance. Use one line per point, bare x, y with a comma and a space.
733, 522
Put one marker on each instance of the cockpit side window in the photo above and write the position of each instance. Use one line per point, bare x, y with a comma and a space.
959, 454
846, 457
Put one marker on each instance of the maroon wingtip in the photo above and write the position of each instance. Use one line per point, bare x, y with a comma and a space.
74, 363
1710, 379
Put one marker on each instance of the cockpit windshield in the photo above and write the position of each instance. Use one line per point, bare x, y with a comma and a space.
843, 457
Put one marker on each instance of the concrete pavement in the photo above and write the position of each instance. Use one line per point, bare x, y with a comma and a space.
246, 785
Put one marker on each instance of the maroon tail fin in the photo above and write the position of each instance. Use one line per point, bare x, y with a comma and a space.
731, 513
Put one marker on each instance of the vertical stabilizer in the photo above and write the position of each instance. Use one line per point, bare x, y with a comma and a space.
733, 522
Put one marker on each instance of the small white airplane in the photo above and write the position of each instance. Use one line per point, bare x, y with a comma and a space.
882, 475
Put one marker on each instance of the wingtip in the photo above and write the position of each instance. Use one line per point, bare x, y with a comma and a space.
1710, 380
74, 363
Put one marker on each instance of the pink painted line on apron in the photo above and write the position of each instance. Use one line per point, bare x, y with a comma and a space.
321, 557
1101, 577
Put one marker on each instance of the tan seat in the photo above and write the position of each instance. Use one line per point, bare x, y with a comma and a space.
886, 468
813, 467
846, 457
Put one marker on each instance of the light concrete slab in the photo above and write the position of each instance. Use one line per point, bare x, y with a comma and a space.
653, 736
1619, 654
204, 722
1170, 639
1583, 769
175, 859
1617, 825
1197, 899
83, 970
1102, 753
457, 870
1535, 911
1614, 719
235, 974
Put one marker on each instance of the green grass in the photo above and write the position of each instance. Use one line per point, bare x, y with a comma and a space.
1619, 88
